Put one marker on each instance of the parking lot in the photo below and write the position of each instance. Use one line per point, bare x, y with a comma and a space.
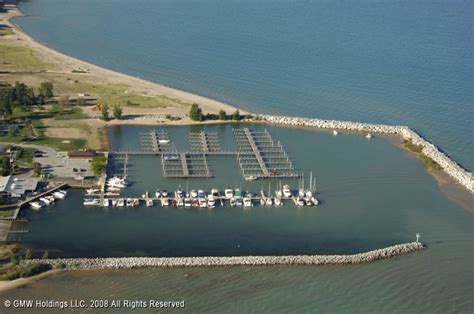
58, 165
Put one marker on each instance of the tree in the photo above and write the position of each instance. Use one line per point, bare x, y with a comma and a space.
98, 165
28, 254
222, 115
37, 169
45, 255
46, 89
14, 260
105, 112
236, 115
117, 113
195, 113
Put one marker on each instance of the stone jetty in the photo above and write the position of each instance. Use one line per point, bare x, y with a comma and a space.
141, 262
456, 171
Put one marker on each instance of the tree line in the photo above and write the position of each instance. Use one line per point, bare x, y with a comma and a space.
196, 114
20, 94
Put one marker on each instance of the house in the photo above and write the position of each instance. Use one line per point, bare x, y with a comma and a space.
86, 154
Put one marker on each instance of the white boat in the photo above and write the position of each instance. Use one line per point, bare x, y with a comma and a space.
300, 201
120, 202
301, 193
129, 202
250, 178
187, 202
262, 201
59, 195
92, 191
178, 193
229, 193
180, 202
233, 201
36, 205
163, 141
335, 132
106, 202
369, 136
215, 193
211, 202
149, 202
113, 189
64, 192
158, 193
91, 202
45, 201
278, 202
286, 191
194, 193
308, 201
202, 203
116, 185
114, 202
164, 193
201, 194
314, 201
247, 202
269, 202
165, 201
50, 198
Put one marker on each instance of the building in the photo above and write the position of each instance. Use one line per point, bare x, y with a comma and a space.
17, 186
86, 154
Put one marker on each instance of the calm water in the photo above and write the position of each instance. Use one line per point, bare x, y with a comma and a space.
403, 61
374, 195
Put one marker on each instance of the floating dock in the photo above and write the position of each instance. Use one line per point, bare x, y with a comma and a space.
184, 165
260, 157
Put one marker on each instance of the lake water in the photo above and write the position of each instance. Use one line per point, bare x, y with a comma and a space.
398, 62
407, 62
374, 194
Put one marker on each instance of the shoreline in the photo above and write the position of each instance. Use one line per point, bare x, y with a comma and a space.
218, 261
20, 282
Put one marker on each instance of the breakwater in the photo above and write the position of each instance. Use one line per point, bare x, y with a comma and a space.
140, 262
453, 169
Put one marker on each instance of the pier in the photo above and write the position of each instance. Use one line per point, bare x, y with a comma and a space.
184, 165
155, 142
260, 157
204, 142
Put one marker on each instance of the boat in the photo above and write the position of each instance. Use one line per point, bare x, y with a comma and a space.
286, 191
228, 193
238, 202
202, 202
163, 141
114, 202
164, 193
215, 193
179, 193
195, 202
64, 192
278, 202
315, 201
118, 185
247, 202
45, 201
180, 202
211, 202
165, 201
135, 202
233, 201
91, 202
129, 202
369, 136
59, 195
149, 202
269, 201
171, 157
250, 178
173, 202
238, 193
120, 202
36, 205
262, 201
114, 189
194, 193
201, 194
92, 191
50, 198
300, 201
158, 193
106, 202
308, 201
187, 202
335, 132
112, 194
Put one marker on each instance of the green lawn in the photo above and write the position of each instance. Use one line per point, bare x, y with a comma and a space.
5, 30
14, 57
7, 212
74, 113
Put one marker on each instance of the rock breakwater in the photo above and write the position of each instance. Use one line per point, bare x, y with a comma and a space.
140, 262
453, 169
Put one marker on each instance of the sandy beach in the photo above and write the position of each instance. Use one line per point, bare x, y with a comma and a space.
20, 282
64, 64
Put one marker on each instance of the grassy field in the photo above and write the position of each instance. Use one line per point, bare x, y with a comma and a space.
5, 30
6, 212
74, 113
19, 58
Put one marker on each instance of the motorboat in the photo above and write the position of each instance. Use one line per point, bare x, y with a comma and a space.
187, 202
269, 201
238, 193
114, 202
250, 178
173, 202
135, 202
165, 201
286, 191
228, 193
113, 189
300, 201
194, 193
92, 191
106, 202
112, 194
59, 195
369, 136
91, 202
129, 202
247, 201
335, 133
149, 202
215, 193
180, 202
179, 193
120, 202
233, 202
211, 202
36, 205
45, 201
195, 202
202, 202
238, 202
164, 193
50, 198
158, 193
201, 194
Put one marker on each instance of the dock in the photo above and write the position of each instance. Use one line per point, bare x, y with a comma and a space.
184, 165
260, 157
